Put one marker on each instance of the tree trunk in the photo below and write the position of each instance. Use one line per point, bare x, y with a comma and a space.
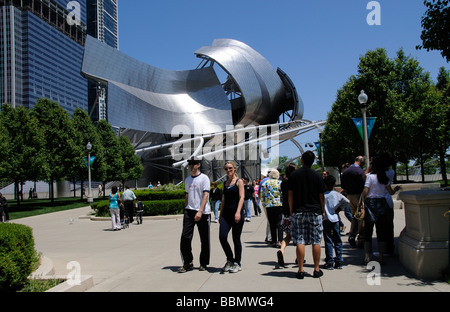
82, 190
443, 166
51, 192
422, 172
17, 193
407, 170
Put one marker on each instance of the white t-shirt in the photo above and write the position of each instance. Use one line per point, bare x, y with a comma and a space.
376, 189
196, 187
334, 200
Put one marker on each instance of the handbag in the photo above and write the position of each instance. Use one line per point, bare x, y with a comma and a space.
360, 209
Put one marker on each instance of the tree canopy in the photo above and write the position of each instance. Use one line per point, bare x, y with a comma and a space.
436, 27
412, 114
46, 144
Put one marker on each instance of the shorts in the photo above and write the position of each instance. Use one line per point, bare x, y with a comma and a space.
306, 228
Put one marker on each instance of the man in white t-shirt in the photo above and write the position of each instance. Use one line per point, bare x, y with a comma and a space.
197, 212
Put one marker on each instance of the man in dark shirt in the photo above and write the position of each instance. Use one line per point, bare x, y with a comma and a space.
307, 206
248, 199
352, 184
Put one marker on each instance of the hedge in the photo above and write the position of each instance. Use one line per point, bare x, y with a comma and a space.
146, 195
18, 258
151, 208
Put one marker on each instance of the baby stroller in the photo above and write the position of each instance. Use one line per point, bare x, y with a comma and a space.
139, 211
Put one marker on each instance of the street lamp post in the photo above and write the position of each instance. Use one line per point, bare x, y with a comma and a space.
363, 98
89, 148
320, 130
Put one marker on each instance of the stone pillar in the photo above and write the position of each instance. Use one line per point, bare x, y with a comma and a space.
423, 245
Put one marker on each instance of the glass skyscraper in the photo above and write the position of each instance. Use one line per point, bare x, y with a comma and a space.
42, 45
103, 24
103, 21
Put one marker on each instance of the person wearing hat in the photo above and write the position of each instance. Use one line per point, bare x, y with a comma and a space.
197, 212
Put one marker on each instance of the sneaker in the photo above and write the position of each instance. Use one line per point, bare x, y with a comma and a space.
186, 267
328, 266
338, 265
203, 268
236, 268
317, 274
227, 266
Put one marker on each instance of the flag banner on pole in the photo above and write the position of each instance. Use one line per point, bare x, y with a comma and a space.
360, 125
318, 147
86, 160
370, 124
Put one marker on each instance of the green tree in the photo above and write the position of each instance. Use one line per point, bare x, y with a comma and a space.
436, 27
85, 132
401, 96
443, 128
415, 111
133, 168
114, 162
60, 150
23, 158
340, 135
4, 152
427, 121
376, 77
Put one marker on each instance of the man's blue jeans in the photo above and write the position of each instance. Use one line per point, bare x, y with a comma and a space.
248, 208
215, 204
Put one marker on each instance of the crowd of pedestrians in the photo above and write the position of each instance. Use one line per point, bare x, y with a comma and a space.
302, 207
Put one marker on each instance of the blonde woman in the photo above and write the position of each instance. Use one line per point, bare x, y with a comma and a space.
231, 217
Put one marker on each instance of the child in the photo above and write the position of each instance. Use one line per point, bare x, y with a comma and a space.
331, 231
139, 210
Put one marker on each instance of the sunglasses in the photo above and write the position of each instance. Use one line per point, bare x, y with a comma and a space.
229, 168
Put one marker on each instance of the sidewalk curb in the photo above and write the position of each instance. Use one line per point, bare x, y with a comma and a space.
46, 271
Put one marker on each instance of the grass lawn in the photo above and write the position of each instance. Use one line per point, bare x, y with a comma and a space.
34, 207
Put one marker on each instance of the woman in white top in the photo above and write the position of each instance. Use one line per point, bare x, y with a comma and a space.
376, 207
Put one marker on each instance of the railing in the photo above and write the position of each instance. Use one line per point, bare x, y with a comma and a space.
418, 177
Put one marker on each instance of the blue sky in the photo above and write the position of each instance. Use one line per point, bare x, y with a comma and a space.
317, 43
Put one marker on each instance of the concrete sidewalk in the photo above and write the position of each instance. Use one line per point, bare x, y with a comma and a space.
145, 258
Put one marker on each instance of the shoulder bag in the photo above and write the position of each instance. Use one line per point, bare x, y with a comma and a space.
360, 209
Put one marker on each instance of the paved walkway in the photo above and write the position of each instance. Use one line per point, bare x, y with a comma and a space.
145, 258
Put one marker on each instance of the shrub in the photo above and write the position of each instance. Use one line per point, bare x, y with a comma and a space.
145, 195
170, 187
101, 208
163, 207
18, 258
151, 207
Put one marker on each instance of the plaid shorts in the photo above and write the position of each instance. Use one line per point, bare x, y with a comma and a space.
306, 228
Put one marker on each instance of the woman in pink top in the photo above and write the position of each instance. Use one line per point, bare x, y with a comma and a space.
256, 198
